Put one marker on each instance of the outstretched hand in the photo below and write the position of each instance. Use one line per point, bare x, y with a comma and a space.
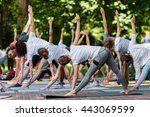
50, 21
62, 30
15, 30
77, 18
72, 31
133, 19
102, 10
30, 9
117, 13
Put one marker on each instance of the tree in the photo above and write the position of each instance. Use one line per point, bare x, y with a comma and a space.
13, 13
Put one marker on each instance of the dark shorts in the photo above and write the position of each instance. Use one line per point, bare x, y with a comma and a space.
23, 37
35, 60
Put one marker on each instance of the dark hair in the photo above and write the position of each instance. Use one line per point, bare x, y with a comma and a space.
143, 33
109, 43
67, 48
21, 48
43, 52
63, 60
126, 57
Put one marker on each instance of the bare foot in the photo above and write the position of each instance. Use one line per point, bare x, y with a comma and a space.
125, 91
25, 86
133, 89
44, 89
71, 93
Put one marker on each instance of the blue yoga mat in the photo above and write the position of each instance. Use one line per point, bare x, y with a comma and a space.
119, 90
28, 90
7, 92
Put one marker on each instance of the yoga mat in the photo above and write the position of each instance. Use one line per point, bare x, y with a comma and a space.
7, 92
96, 88
119, 90
48, 95
28, 90
6, 96
54, 96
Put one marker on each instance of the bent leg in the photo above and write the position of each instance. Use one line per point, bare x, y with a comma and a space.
97, 63
111, 63
144, 74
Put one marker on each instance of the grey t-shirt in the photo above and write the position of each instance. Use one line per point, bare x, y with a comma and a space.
121, 44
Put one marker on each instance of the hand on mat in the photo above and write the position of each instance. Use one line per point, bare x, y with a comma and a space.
6, 88
3, 88
71, 93
133, 89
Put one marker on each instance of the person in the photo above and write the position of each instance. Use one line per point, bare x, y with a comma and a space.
64, 72
141, 58
12, 53
2, 58
22, 46
61, 44
121, 44
145, 38
99, 56
47, 50
23, 35
104, 42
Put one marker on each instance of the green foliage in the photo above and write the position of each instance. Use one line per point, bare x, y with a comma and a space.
63, 12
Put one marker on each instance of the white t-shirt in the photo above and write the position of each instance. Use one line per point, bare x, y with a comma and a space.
2, 56
34, 43
145, 39
140, 54
56, 53
82, 53
61, 44
121, 44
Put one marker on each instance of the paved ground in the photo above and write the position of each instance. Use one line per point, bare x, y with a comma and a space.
91, 92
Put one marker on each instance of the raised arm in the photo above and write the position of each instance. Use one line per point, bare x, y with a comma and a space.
62, 34
32, 25
118, 24
38, 34
72, 33
61, 44
50, 21
87, 39
133, 33
104, 19
12, 44
80, 40
133, 25
77, 33
15, 35
27, 26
